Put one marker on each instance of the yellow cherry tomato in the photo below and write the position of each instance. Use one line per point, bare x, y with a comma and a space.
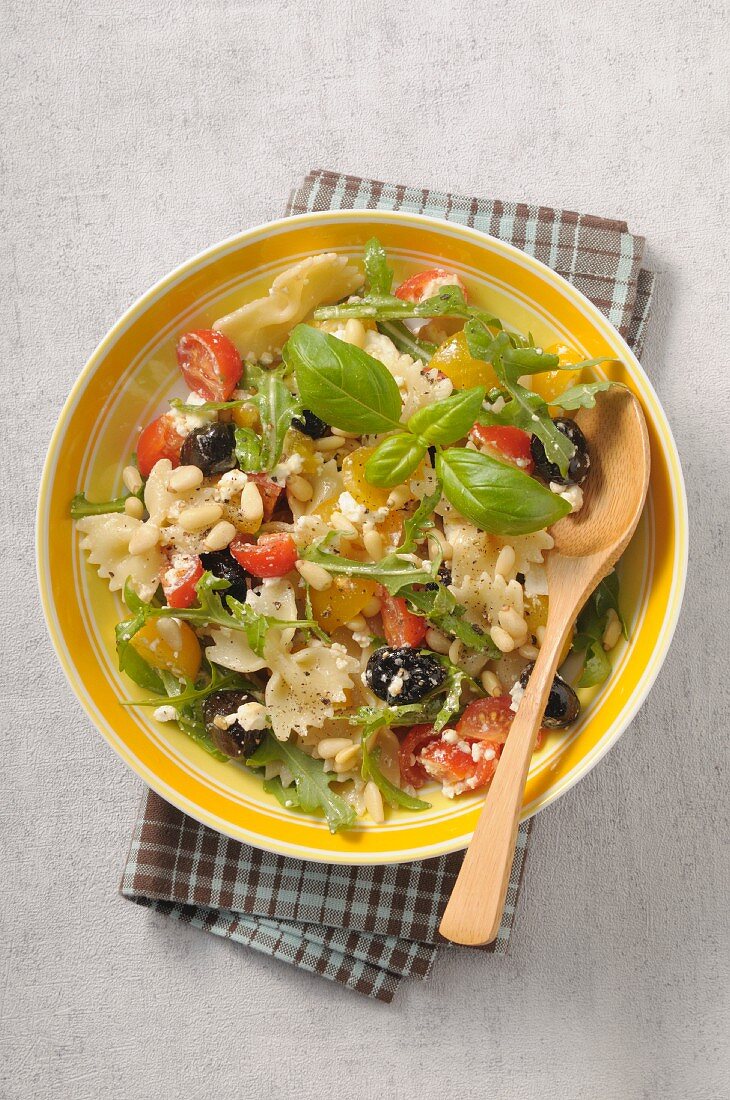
325, 509
246, 416
536, 613
180, 656
452, 358
554, 382
342, 601
297, 443
355, 482
391, 528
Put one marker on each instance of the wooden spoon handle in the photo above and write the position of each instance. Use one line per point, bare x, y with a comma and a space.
474, 912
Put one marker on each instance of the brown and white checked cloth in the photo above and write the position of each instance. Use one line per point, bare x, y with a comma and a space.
369, 927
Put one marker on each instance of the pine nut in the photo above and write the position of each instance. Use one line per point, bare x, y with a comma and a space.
132, 479
373, 543
503, 641
529, 652
342, 523
299, 487
374, 802
540, 635
347, 757
612, 633
515, 595
437, 641
354, 332
200, 516
491, 682
144, 538
399, 496
456, 652
315, 575
327, 443
505, 560
357, 625
170, 632
331, 746
344, 435
341, 769
513, 623
252, 507
220, 535
185, 478
372, 608
134, 507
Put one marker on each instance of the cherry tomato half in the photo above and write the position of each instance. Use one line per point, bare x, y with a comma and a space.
179, 580
412, 772
428, 283
210, 363
468, 765
271, 556
160, 439
505, 442
490, 720
400, 626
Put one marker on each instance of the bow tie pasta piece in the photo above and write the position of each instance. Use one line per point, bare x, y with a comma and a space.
418, 385
106, 540
261, 328
305, 686
230, 648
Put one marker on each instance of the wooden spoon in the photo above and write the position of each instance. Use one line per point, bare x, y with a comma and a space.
587, 546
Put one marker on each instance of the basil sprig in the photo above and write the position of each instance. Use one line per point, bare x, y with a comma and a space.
341, 384
495, 496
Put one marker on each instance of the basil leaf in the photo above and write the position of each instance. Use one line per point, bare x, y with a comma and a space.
441, 608
311, 782
393, 571
248, 450
495, 496
377, 272
341, 384
393, 795
450, 419
406, 341
394, 460
81, 507
582, 396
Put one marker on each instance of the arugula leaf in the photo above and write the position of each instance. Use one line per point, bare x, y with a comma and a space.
377, 272
455, 681
448, 420
257, 625
392, 794
287, 796
129, 660
190, 716
208, 406
81, 507
449, 302
582, 396
219, 680
495, 496
591, 625
406, 341
311, 781
370, 719
393, 571
276, 406
249, 450
441, 608
394, 460
417, 526
531, 360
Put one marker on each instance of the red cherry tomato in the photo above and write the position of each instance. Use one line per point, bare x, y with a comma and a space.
505, 442
179, 578
400, 626
490, 720
428, 283
210, 363
456, 765
412, 772
160, 439
271, 556
270, 492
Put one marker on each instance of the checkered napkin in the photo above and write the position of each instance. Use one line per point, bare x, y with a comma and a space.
368, 928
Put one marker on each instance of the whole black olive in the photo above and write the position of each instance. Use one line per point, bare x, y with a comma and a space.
579, 463
309, 424
563, 705
210, 448
403, 674
235, 740
221, 563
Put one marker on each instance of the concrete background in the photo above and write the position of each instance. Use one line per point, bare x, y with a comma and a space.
132, 136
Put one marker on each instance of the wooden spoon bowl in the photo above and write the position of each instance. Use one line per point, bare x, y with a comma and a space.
587, 546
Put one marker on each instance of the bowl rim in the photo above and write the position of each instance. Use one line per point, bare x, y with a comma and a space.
376, 215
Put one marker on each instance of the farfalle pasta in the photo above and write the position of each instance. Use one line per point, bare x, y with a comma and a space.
332, 551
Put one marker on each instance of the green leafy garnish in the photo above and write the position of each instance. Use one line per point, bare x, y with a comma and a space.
448, 420
591, 626
81, 507
453, 685
207, 406
312, 783
190, 716
249, 450
583, 396
393, 795
406, 342
218, 680
442, 610
379, 276
449, 302
394, 460
370, 719
417, 526
495, 496
393, 571
342, 384
276, 406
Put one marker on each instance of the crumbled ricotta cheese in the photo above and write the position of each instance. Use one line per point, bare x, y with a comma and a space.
449, 736
164, 714
572, 493
396, 685
350, 508
291, 465
516, 691
251, 716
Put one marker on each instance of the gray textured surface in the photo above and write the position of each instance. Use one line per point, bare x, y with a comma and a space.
132, 136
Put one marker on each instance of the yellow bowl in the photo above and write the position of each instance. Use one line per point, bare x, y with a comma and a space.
128, 380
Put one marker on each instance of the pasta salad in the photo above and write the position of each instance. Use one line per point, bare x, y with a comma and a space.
332, 551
